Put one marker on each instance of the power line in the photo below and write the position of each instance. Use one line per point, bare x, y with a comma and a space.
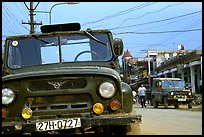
22, 11
161, 25
177, 35
157, 21
7, 26
121, 13
171, 5
146, 45
159, 32
150, 45
9, 20
14, 17
141, 17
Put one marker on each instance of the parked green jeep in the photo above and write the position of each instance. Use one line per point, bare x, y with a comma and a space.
170, 91
65, 80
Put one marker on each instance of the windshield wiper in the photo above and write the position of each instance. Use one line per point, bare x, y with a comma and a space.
94, 38
46, 42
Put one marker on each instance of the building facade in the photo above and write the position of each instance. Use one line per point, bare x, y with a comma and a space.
185, 64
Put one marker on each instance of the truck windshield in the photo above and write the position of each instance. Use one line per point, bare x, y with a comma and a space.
173, 83
35, 50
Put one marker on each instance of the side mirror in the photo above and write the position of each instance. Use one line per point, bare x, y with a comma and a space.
118, 46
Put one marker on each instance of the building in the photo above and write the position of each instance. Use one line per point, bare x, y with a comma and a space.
126, 66
185, 64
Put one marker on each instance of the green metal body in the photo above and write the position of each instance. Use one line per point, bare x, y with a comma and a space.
65, 90
173, 94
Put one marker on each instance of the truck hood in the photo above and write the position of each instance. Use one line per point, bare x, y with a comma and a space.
65, 71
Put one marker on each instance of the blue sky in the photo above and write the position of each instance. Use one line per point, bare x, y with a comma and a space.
141, 25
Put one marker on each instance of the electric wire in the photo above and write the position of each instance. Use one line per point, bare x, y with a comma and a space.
163, 25
11, 28
183, 27
157, 21
10, 21
21, 10
12, 16
121, 13
180, 31
171, 5
158, 32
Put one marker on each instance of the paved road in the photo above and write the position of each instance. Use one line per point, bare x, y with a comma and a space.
169, 121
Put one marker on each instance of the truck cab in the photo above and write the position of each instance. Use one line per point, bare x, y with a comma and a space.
170, 91
65, 80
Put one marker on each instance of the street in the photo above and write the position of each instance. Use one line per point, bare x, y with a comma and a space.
170, 121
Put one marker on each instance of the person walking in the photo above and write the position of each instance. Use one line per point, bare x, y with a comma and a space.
142, 95
136, 97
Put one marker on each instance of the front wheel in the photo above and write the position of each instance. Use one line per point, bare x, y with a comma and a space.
190, 105
133, 129
154, 103
176, 106
151, 103
113, 130
166, 105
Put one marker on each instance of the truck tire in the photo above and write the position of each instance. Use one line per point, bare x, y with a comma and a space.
133, 129
154, 103
117, 130
176, 106
112, 130
190, 105
151, 102
166, 105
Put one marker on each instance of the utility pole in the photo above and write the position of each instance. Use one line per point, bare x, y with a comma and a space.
32, 23
149, 69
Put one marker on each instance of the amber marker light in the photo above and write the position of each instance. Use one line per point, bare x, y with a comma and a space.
27, 113
98, 108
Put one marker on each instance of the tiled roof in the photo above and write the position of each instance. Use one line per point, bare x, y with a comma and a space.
126, 54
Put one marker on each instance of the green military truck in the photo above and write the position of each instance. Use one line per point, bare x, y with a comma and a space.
65, 80
170, 91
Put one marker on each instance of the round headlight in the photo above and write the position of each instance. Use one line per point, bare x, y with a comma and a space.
172, 93
7, 96
189, 93
107, 90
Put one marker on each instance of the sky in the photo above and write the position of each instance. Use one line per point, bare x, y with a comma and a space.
143, 26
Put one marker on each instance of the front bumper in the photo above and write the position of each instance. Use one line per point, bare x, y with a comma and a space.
180, 100
29, 127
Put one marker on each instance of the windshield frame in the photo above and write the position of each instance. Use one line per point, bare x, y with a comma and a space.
59, 36
173, 83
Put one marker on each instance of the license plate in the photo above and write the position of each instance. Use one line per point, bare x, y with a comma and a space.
58, 124
181, 99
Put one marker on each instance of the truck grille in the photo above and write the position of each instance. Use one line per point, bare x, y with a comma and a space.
59, 102
60, 84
